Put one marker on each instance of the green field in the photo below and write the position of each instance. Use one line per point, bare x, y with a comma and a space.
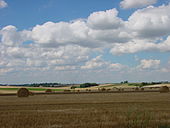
102, 110
31, 89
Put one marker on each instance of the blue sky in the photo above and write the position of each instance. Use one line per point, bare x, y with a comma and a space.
84, 41
28, 13
41, 11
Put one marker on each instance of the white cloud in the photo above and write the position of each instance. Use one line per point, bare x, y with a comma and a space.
151, 22
35, 57
140, 45
149, 64
66, 46
104, 20
165, 46
11, 37
136, 3
99, 29
63, 33
116, 67
98, 63
5, 70
3, 4
94, 63
110, 36
65, 68
103, 29
132, 47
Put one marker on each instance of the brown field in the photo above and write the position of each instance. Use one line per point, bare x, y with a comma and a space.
100, 110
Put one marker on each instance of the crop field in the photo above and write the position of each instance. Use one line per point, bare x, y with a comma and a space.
7, 90
31, 89
100, 110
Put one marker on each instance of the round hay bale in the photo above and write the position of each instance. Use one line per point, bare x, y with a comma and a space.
136, 89
48, 91
23, 92
103, 89
164, 89
108, 89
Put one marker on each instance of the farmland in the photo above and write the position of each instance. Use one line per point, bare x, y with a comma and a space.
13, 89
100, 110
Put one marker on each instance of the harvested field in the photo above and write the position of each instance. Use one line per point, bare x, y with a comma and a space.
100, 110
13, 89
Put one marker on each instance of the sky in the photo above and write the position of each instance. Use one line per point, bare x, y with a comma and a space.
77, 41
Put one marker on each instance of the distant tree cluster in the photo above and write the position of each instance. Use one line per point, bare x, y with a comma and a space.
43, 84
124, 82
86, 85
147, 83
38, 85
73, 87
153, 83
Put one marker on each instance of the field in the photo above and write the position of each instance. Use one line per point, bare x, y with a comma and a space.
13, 89
113, 87
100, 110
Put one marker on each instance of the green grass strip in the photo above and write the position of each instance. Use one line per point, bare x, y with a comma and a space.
31, 89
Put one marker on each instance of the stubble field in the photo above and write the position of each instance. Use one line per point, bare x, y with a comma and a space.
99, 110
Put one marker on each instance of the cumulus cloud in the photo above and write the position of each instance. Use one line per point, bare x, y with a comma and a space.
126, 4
69, 45
3, 4
116, 67
35, 57
63, 33
131, 47
94, 63
99, 63
165, 46
11, 37
150, 22
105, 20
100, 30
149, 64
140, 45
60, 33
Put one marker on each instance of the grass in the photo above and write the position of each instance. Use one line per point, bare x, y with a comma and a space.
104, 110
108, 86
31, 89
135, 84
42, 89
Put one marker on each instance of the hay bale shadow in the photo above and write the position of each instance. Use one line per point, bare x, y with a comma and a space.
164, 89
31, 93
